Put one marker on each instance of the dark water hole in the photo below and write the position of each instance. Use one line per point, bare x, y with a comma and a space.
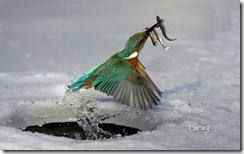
74, 131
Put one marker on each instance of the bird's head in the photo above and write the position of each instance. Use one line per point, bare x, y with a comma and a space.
136, 42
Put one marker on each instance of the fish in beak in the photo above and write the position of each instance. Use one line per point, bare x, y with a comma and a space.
163, 29
155, 36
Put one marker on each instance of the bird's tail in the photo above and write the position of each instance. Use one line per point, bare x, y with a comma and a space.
80, 82
83, 81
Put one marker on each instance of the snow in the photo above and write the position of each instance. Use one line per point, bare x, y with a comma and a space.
44, 45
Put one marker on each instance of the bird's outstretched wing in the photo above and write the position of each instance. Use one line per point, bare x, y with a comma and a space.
118, 78
148, 81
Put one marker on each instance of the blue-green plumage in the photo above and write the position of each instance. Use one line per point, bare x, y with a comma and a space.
81, 81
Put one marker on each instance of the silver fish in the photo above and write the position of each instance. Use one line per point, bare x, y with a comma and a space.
163, 29
153, 39
160, 39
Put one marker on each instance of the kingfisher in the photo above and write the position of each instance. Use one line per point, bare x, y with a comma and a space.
123, 76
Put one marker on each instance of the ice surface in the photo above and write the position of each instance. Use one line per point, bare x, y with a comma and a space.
46, 44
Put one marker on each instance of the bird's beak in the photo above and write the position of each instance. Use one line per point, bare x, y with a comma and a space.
148, 30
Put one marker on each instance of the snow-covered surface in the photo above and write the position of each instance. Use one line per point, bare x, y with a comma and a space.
46, 44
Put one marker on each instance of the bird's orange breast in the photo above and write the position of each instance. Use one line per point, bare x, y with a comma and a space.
133, 61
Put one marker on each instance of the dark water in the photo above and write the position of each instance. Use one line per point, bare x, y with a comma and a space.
74, 131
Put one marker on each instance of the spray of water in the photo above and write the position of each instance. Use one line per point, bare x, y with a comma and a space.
88, 116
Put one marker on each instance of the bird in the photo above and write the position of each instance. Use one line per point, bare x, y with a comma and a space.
123, 76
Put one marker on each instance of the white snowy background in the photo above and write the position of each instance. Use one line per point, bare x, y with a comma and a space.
44, 45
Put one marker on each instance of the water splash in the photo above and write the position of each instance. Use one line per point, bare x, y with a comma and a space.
92, 130
86, 111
